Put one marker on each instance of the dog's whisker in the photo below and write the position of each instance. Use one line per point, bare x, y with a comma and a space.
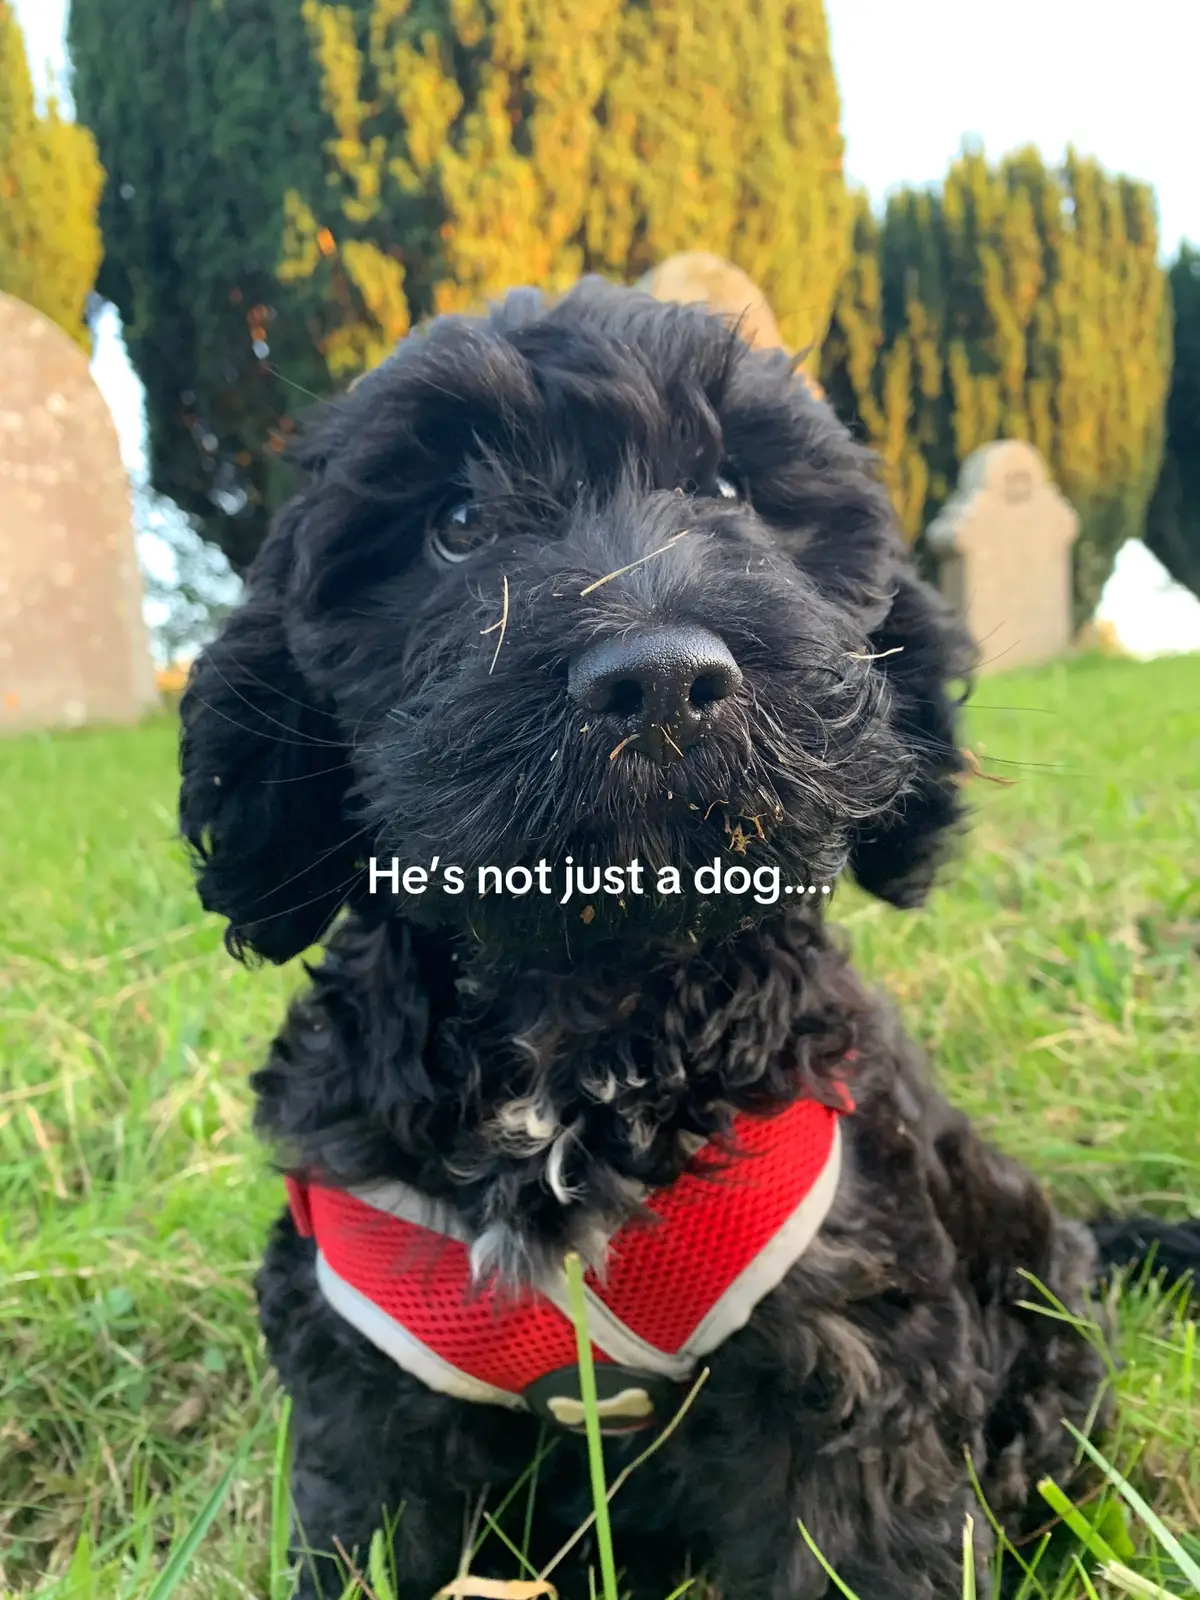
336, 890
261, 733
336, 744
271, 688
321, 400
1033, 711
1041, 766
305, 870
305, 777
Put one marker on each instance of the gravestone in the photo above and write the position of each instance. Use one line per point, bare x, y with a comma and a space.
695, 275
1003, 545
73, 644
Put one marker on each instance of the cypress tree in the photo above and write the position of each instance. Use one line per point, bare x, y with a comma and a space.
1113, 370
50, 181
871, 386
1173, 520
1022, 303
295, 183
720, 131
206, 114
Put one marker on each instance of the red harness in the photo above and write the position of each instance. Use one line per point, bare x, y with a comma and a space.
397, 1266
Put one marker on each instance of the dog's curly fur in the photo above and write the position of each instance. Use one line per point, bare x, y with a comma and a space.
535, 1070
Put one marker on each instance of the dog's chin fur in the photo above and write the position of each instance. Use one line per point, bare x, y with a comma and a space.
539, 1066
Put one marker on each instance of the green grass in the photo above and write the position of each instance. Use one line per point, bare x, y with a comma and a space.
1054, 979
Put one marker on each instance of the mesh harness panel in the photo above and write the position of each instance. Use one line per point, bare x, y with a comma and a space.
675, 1286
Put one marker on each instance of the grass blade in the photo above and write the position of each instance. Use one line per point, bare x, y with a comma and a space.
678, 1592
79, 1580
825, 1567
1133, 1583
377, 1566
1004, 1544
281, 1575
531, 1497
968, 1551
181, 1556
595, 1444
1030, 1583
1089, 1588
1186, 1564
510, 1545
1065, 1509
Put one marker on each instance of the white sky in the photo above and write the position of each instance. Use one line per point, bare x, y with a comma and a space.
1115, 78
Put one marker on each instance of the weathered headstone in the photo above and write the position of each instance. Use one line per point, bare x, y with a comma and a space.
695, 275
73, 644
1003, 544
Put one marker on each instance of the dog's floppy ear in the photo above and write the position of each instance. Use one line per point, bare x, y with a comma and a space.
927, 656
265, 774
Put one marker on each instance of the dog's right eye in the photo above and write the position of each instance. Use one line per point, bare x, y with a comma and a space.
458, 535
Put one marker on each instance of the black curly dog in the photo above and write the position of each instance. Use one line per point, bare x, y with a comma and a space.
427, 663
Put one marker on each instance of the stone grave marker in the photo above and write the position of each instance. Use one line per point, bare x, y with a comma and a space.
73, 644
1003, 545
695, 275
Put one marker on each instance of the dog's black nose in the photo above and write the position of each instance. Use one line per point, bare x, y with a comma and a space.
660, 686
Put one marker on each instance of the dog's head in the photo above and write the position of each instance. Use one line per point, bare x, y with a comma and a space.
591, 580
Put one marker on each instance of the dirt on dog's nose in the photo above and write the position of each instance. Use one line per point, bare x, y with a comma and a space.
661, 687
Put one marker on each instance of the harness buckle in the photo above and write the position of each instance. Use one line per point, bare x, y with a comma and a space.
628, 1401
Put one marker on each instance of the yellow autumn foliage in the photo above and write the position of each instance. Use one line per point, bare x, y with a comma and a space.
50, 185
474, 148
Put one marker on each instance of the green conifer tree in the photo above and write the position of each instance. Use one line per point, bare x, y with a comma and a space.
295, 185
1026, 303
50, 182
870, 386
1173, 520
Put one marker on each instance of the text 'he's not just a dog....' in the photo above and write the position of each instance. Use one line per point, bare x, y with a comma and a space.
572, 878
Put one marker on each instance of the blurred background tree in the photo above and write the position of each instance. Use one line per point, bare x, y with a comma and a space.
50, 182
1173, 520
1015, 301
292, 186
